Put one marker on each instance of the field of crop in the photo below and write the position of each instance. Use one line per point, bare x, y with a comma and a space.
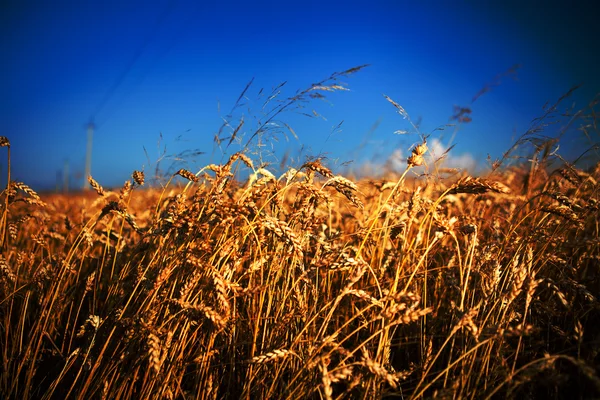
305, 284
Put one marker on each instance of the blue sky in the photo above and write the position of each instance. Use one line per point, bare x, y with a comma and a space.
173, 69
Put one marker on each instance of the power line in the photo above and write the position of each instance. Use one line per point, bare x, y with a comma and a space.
142, 76
90, 127
151, 35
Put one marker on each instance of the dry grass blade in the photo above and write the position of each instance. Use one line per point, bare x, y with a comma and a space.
400, 109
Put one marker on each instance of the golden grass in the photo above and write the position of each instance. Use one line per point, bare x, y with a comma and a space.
308, 285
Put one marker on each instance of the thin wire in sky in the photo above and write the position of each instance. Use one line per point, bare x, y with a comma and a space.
151, 35
141, 77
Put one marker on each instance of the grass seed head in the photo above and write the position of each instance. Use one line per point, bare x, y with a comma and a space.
96, 186
187, 175
138, 177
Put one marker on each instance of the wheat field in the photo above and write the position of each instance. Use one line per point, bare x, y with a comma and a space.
304, 285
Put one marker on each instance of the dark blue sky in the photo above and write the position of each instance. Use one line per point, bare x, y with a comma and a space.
145, 68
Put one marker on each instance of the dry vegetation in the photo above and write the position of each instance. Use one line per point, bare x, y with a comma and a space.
304, 285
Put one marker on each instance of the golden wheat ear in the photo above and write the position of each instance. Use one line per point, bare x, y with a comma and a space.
138, 177
187, 175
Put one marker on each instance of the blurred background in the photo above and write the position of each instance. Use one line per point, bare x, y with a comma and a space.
157, 81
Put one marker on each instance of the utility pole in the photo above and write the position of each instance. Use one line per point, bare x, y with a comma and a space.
88, 157
66, 176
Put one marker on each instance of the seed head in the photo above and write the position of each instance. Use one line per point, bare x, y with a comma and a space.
416, 158
96, 186
187, 175
138, 177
